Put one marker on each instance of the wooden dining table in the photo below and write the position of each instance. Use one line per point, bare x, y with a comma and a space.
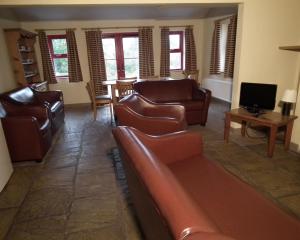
112, 84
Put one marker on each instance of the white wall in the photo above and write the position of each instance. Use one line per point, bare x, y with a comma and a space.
7, 82
81, 95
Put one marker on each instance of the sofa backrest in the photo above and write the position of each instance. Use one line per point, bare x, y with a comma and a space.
21, 96
135, 102
175, 207
166, 90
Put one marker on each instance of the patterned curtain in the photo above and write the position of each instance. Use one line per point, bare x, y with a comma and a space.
96, 61
75, 74
165, 52
190, 50
146, 60
230, 47
215, 54
48, 71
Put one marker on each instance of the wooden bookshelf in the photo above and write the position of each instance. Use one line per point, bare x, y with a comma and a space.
290, 48
20, 44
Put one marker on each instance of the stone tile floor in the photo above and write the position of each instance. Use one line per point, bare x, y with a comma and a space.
74, 193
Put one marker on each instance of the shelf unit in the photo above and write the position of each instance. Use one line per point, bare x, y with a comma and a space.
295, 48
20, 44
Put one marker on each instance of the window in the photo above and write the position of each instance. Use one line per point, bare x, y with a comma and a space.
176, 50
121, 54
222, 44
59, 54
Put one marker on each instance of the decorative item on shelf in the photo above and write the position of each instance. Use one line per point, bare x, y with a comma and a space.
289, 97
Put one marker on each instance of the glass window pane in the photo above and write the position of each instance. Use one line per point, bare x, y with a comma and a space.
109, 48
174, 41
131, 47
59, 46
131, 68
61, 67
175, 60
222, 46
111, 69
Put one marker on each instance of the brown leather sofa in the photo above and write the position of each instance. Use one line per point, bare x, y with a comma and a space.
53, 100
186, 92
179, 194
29, 119
149, 117
27, 131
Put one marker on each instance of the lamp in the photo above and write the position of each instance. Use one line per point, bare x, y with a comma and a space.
289, 97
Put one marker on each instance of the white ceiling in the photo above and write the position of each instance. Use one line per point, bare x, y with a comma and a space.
110, 12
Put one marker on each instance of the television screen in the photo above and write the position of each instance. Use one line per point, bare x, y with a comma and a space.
258, 96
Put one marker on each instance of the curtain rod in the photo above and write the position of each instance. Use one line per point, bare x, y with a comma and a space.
177, 26
101, 28
225, 18
53, 29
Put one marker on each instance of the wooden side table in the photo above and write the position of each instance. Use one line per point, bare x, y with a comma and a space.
272, 120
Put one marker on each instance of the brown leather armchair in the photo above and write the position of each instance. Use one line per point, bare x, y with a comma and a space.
53, 100
149, 117
27, 131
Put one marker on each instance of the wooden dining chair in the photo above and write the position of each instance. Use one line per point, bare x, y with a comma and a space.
124, 87
99, 100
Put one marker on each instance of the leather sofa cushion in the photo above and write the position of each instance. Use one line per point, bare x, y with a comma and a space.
23, 96
237, 209
168, 91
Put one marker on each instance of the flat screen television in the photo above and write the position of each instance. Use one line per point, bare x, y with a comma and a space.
257, 97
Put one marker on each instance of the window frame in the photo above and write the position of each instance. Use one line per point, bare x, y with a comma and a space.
177, 50
56, 56
119, 50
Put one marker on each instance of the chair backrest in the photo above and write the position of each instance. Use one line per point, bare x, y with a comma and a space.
91, 91
125, 87
191, 74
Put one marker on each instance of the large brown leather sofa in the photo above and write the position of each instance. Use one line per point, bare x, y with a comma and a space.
52, 100
179, 194
149, 117
29, 120
186, 92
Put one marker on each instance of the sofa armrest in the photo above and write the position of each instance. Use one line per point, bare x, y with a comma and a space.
49, 96
201, 94
148, 124
205, 96
180, 145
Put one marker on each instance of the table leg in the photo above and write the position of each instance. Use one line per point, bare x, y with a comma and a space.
243, 129
113, 94
288, 135
272, 140
227, 126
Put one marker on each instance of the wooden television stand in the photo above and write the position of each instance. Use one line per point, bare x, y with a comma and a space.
272, 120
